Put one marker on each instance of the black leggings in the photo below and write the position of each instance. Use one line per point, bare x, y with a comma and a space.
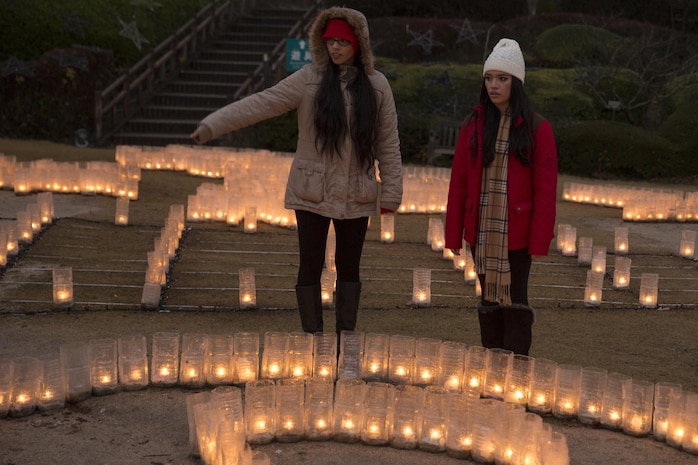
520, 266
312, 242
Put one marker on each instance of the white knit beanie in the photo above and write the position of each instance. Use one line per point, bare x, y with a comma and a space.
506, 56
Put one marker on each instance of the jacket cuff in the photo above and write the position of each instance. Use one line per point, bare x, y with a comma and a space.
205, 134
389, 206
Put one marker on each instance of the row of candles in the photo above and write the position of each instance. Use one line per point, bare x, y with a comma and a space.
164, 249
589, 394
86, 178
569, 245
167, 243
638, 204
28, 223
165, 246
586, 252
257, 179
595, 256
433, 419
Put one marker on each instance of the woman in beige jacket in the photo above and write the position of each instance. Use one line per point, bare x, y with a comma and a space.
346, 123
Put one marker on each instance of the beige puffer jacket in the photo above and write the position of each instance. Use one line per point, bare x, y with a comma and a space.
334, 187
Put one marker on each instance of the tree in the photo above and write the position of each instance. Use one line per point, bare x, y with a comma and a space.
630, 75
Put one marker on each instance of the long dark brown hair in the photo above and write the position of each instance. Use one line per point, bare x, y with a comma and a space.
521, 141
330, 117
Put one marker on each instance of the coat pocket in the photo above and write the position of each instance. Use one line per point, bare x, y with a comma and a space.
307, 180
367, 186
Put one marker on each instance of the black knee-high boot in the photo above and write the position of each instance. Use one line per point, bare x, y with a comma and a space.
491, 324
347, 305
518, 323
310, 307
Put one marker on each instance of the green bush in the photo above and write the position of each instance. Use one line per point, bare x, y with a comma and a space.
680, 128
611, 149
681, 90
569, 44
427, 94
51, 24
47, 84
556, 98
624, 85
278, 134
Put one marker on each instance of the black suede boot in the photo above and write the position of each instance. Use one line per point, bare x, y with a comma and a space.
310, 307
518, 323
347, 305
491, 324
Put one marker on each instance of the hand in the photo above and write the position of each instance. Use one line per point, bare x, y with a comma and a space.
201, 134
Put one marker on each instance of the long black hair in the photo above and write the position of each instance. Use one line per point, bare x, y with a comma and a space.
330, 117
521, 141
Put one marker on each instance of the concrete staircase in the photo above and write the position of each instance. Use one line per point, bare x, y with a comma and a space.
210, 81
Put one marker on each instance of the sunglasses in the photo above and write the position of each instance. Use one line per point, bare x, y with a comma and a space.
335, 40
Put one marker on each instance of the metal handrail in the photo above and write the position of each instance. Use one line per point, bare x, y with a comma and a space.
124, 97
256, 80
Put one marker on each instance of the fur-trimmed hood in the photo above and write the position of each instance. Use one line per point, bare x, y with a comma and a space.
357, 20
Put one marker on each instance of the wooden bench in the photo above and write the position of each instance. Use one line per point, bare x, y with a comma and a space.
442, 142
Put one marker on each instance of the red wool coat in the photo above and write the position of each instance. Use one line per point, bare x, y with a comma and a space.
531, 197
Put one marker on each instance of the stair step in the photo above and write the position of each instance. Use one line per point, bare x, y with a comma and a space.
250, 45
196, 100
270, 14
179, 112
232, 66
198, 87
152, 139
212, 76
277, 29
233, 55
210, 80
253, 36
161, 126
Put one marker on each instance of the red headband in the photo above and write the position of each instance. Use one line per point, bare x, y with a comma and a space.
341, 29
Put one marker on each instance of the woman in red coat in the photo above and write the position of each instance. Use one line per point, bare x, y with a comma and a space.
501, 197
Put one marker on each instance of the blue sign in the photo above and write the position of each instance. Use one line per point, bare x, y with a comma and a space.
297, 54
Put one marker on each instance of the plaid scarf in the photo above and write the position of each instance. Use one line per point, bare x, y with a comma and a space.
491, 253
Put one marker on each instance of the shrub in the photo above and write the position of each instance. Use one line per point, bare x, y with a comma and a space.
566, 45
611, 149
426, 94
53, 98
680, 128
52, 24
556, 99
682, 89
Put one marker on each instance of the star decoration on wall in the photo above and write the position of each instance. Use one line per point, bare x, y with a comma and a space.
66, 60
72, 23
426, 41
466, 33
14, 66
130, 31
150, 5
